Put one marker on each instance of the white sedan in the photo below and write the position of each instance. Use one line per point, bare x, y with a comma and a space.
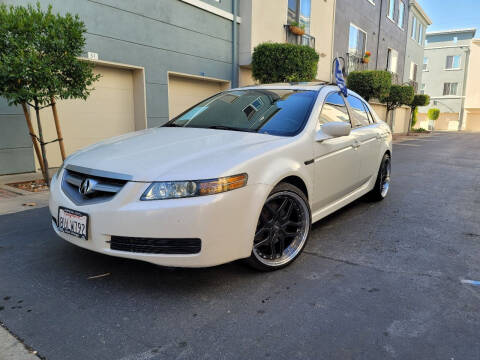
241, 175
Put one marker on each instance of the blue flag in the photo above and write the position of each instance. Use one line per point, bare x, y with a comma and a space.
339, 80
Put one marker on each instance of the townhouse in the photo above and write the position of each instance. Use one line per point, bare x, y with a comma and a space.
445, 73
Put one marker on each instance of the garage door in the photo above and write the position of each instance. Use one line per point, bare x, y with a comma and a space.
108, 112
185, 91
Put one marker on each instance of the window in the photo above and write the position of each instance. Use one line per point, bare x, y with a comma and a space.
450, 88
392, 60
420, 34
359, 113
414, 28
357, 41
391, 9
425, 64
453, 62
299, 11
422, 89
334, 109
401, 13
455, 39
275, 112
413, 71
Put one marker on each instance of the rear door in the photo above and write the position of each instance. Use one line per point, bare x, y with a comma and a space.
336, 160
367, 134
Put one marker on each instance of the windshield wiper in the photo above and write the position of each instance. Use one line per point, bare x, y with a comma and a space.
171, 125
223, 127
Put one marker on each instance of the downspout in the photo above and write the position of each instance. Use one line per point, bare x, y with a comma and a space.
464, 89
379, 30
332, 48
234, 45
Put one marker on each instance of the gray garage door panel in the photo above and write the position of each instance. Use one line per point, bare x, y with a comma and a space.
17, 160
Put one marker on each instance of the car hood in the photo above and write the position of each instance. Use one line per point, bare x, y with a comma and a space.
169, 153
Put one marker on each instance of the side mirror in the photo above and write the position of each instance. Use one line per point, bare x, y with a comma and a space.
332, 130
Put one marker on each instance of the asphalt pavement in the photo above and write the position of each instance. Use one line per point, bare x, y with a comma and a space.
376, 281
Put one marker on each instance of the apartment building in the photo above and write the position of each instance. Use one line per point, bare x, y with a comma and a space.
418, 22
445, 71
376, 26
268, 20
155, 57
472, 95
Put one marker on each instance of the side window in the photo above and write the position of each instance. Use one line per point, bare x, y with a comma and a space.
369, 114
334, 109
359, 113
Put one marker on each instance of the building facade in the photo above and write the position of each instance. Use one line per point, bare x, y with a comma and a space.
376, 26
445, 71
268, 20
472, 94
156, 57
418, 22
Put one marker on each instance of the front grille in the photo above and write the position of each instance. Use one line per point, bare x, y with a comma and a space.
103, 185
156, 246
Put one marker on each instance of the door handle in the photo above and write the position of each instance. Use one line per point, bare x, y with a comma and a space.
356, 145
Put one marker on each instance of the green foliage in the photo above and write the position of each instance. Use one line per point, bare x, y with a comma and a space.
399, 95
370, 84
414, 117
273, 62
39, 56
420, 100
433, 113
295, 23
420, 130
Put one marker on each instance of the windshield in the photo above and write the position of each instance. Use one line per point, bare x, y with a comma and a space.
275, 112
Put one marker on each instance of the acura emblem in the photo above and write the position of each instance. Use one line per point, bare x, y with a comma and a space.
87, 186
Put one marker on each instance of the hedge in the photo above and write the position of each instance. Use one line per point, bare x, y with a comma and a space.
399, 95
370, 83
433, 113
420, 100
274, 62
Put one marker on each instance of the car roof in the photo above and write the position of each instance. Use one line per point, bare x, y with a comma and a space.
283, 86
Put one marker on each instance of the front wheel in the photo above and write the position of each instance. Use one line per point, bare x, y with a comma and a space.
382, 185
282, 230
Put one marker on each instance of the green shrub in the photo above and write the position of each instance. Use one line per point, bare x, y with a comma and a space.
273, 62
399, 95
420, 130
433, 113
370, 84
418, 100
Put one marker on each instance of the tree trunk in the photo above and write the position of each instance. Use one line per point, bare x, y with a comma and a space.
410, 123
32, 136
42, 145
57, 127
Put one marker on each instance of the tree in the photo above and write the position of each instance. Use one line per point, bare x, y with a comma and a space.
39, 63
370, 84
433, 114
399, 95
418, 100
273, 62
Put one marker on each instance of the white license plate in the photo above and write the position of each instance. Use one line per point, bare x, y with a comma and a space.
73, 222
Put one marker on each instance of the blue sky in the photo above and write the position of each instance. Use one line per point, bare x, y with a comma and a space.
452, 14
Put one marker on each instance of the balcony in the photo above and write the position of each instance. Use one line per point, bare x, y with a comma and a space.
355, 63
304, 39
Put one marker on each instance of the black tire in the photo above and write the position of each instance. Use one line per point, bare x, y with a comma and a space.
382, 184
287, 229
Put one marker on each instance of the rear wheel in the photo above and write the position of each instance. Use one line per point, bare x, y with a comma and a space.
282, 230
382, 185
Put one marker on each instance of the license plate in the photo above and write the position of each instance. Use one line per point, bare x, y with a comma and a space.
73, 222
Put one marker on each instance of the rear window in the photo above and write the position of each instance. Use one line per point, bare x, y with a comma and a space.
268, 111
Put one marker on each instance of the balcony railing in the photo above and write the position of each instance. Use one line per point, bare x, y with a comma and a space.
396, 79
304, 39
355, 63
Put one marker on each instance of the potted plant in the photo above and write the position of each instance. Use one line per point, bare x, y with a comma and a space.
296, 28
366, 57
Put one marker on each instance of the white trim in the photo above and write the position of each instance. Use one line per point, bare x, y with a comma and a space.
447, 97
371, 2
455, 31
197, 77
212, 9
447, 47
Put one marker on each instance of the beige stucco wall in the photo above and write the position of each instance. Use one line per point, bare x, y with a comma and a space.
264, 20
472, 100
245, 77
473, 121
445, 122
401, 117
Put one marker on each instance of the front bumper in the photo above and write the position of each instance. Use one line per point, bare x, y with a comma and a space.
225, 222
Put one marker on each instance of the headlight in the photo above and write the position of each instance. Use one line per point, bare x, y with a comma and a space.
183, 189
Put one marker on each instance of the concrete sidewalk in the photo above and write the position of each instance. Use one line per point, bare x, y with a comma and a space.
12, 349
13, 200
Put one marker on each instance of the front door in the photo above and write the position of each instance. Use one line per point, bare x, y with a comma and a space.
336, 160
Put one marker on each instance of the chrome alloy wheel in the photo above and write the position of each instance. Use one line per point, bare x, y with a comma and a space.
385, 177
282, 229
